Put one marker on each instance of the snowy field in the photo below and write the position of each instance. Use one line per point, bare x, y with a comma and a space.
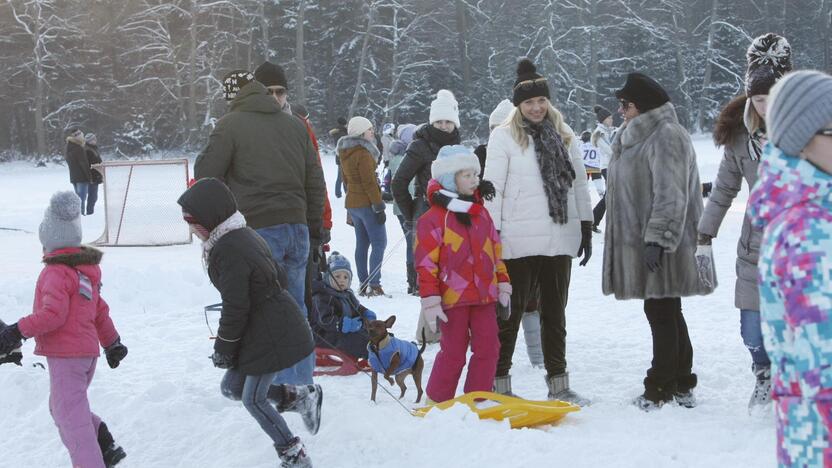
164, 407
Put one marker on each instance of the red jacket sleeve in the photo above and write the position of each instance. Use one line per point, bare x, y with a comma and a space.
429, 235
327, 217
107, 333
502, 271
55, 290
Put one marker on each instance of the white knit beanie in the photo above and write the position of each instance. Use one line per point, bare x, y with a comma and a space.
358, 125
444, 107
61, 225
500, 113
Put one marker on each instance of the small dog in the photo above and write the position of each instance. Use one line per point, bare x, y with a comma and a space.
391, 356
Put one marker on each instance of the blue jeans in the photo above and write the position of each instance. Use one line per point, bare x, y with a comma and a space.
752, 337
88, 193
253, 391
368, 232
408, 238
289, 244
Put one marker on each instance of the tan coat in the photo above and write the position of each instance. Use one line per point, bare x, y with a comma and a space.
358, 165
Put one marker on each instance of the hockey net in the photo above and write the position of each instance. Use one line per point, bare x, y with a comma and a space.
140, 203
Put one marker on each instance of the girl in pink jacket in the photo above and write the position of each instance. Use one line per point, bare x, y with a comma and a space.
68, 321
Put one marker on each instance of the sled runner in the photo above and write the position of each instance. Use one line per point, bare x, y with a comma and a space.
342, 363
520, 412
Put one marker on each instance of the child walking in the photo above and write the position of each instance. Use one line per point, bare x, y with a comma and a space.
69, 321
461, 274
262, 329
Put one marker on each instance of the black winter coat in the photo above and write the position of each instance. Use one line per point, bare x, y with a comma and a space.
330, 307
416, 163
94, 157
76, 161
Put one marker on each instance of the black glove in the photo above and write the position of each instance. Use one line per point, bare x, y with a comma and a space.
223, 361
115, 353
326, 236
586, 242
10, 339
703, 239
15, 357
653, 257
381, 216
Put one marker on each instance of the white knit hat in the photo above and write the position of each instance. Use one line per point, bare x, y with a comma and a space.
444, 107
358, 125
450, 160
500, 113
61, 225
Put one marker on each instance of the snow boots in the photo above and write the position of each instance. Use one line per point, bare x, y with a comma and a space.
531, 331
761, 396
559, 390
412, 280
304, 399
502, 385
294, 455
111, 452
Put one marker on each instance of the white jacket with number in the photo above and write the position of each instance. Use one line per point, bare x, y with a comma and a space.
520, 208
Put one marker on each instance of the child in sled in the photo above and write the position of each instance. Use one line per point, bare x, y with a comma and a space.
69, 321
338, 317
461, 274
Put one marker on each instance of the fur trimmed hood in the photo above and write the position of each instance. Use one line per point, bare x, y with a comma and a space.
732, 121
349, 142
73, 257
78, 141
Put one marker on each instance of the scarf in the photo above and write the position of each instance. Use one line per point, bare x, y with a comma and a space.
233, 222
464, 206
440, 138
756, 142
555, 167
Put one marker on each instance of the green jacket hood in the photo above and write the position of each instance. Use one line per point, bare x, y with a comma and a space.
254, 97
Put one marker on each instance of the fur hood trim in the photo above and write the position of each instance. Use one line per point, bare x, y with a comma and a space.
732, 121
74, 257
349, 142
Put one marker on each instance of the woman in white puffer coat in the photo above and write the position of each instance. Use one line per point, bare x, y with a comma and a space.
542, 210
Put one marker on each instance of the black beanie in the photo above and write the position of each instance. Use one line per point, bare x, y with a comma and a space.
643, 91
342, 121
270, 74
234, 81
769, 58
525, 86
601, 113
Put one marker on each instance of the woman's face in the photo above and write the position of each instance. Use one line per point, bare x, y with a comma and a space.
819, 150
445, 125
535, 109
369, 135
760, 103
466, 181
627, 110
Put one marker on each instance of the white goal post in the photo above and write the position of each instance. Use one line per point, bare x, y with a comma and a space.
140, 206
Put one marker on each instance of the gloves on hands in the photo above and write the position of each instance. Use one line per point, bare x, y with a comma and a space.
381, 216
10, 339
351, 325
703, 239
504, 302
432, 310
586, 242
223, 361
653, 257
115, 353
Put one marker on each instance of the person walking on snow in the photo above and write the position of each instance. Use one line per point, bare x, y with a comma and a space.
741, 129
358, 157
442, 129
398, 149
461, 274
544, 217
93, 158
262, 329
80, 174
336, 134
649, 252
601, 139
792, 203
69, 321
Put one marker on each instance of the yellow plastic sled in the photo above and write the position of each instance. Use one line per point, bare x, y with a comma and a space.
520, 412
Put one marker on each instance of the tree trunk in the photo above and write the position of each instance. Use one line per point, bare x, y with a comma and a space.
191, 106
359, 81
593, 53
40, 131
264, 29
301, 73
706, 80
462, 30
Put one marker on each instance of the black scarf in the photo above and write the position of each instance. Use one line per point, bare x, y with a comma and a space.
441, 138
463, 211
555, 167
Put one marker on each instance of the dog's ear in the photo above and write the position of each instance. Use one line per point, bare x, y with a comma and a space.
390, 321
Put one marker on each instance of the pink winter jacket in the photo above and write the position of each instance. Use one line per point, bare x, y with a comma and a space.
69, 318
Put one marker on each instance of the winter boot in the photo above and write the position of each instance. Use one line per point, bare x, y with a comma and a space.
412, 283
502, 385
531, 330
374, 291
684, 391
304, 399
111, 452
559, 390
761, 396
294, 455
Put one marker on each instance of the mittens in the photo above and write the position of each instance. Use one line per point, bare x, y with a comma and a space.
653, 257
432, 310
115, 353
223, 361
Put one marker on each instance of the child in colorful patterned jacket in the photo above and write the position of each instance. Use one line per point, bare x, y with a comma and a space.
461, 274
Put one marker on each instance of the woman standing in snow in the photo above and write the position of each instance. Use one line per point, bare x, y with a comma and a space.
602, 140
358, 154
543, 213
792, 202
741, 129
262, 329
398, 149
442, 129
80, 174
654, 204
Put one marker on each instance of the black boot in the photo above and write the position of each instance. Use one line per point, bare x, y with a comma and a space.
412, 283
304, 399
111, 452
294, 455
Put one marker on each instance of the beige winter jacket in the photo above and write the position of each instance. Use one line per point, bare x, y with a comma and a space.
520, 209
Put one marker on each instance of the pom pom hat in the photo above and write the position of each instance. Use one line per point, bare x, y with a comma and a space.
61, 225
444, 107
529, 84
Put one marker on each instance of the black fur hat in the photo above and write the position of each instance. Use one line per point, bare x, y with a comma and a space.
529, 84
769, 58
643, 91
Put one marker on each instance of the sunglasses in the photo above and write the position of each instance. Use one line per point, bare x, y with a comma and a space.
824, 132
624, 103
277, 91
529, 84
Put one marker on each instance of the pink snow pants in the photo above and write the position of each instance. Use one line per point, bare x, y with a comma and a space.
477, 324
77, 424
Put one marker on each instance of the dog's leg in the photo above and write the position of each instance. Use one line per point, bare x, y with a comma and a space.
374, 386
395, 360
400, 381
417, 377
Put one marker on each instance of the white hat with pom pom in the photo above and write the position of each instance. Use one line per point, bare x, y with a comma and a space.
444, 107
61, 225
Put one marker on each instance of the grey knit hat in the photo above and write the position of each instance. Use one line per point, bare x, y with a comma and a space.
61, 225
799, 105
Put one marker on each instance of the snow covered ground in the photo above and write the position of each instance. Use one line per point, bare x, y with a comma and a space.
164, 406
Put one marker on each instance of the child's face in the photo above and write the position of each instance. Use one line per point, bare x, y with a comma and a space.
342, 280
466, 181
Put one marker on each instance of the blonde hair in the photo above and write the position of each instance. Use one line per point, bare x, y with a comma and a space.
755, 121
518, 126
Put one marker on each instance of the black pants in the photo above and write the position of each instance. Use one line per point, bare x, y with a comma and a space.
601, 208
552, 274
672, 352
